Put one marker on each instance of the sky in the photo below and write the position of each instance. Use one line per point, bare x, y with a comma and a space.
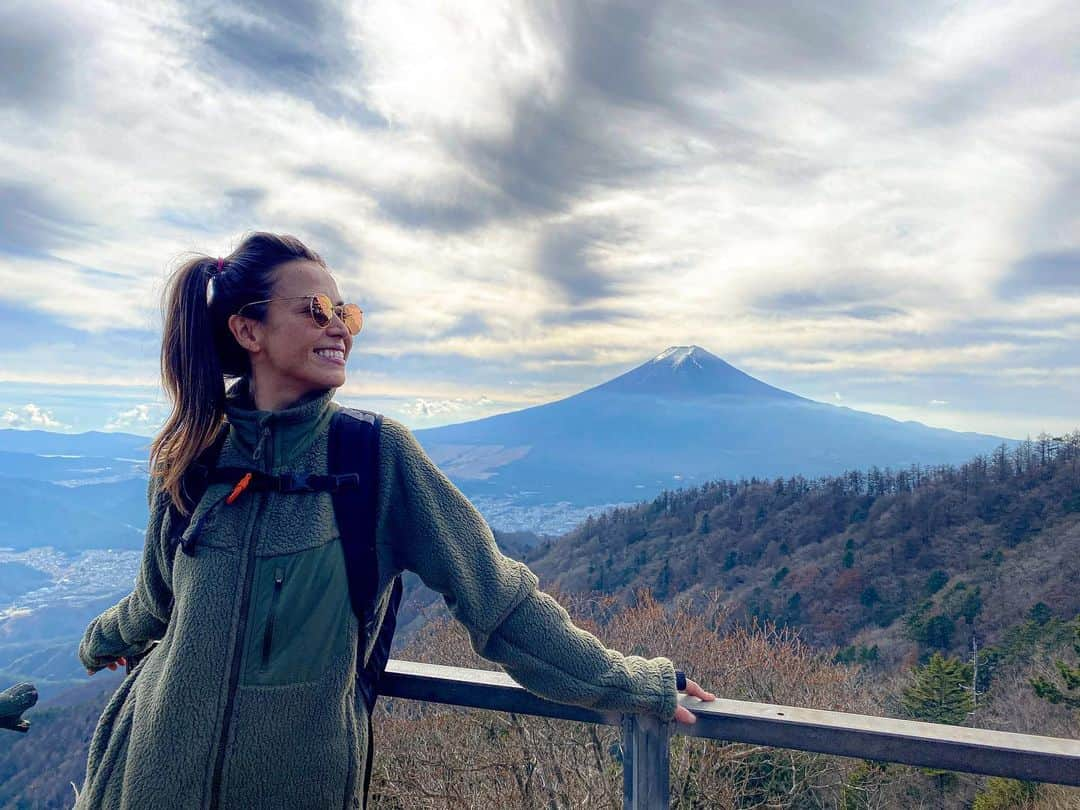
873, 204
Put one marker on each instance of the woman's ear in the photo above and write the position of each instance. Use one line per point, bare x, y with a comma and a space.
247, 332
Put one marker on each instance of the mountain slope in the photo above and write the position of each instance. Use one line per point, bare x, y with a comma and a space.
685, 416
884, 557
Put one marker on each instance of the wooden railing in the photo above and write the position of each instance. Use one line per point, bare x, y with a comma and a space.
645, 739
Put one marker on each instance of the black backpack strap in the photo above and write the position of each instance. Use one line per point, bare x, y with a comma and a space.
354, 447
193, 484
197, 476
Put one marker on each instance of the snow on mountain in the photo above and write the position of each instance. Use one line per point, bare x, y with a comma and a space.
690, 371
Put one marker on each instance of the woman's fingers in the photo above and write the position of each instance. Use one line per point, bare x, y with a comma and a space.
684, 715
111, 665
693, 688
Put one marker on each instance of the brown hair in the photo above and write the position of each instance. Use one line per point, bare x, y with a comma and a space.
198, 352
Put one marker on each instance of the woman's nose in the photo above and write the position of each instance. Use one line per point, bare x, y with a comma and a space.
337, 326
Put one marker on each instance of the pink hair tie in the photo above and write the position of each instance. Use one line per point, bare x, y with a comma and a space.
220, 262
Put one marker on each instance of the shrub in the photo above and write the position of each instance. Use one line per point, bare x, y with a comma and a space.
431, 756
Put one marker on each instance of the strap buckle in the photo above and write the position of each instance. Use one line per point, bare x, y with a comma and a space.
295, 482
345, 480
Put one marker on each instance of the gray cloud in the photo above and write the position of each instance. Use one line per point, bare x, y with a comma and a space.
331, 244
642, 60
467, 325
563, 259
804, 39
586, 315
291, 46
1057, 272
557, 148
41, 49
847, 300
33, 224
237, 209
454, 217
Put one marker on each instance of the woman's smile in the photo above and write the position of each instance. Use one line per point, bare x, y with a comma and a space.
334, 356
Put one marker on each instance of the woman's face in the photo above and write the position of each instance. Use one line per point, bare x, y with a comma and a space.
296, 356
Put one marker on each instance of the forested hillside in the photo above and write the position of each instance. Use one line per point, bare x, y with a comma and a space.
882, 557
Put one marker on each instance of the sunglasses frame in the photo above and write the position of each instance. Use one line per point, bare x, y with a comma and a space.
338, 310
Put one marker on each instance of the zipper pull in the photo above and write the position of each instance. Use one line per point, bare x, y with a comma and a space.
241, 485
262, 441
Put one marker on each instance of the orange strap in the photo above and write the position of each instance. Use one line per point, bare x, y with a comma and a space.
240, 487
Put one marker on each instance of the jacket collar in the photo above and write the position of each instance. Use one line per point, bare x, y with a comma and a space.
274, 438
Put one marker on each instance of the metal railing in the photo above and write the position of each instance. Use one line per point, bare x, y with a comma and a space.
645, 739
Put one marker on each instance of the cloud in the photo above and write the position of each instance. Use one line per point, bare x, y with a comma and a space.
938, 402
567, 257
143, 415
301, 48
554, 192
849, 299
32, 223
1056, 272
30, 416
43, 45
425, 408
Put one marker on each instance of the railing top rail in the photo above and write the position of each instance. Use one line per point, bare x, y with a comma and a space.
956, 748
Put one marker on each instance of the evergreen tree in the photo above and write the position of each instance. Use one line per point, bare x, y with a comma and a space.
1070, 677
937, 691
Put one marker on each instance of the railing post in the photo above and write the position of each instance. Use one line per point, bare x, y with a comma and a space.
645, 762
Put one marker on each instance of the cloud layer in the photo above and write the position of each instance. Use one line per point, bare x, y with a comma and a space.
877, 201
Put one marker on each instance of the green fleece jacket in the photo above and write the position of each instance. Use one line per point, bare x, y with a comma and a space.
249, 699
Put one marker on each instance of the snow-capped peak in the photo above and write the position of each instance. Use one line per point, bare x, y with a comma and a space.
677, 355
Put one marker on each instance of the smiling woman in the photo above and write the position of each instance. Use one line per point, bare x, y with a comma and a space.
259, 693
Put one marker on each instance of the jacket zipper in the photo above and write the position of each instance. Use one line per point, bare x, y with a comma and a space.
245, 602
268, 638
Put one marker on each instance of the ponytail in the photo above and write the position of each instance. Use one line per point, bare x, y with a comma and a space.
198, 352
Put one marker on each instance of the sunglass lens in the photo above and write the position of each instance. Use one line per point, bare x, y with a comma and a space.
321, 310
353, 318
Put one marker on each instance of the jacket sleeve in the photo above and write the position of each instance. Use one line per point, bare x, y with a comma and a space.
129, 626
437, 533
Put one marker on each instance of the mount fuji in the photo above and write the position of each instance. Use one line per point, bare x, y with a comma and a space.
682, 418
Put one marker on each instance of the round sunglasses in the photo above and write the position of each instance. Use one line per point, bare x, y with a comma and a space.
323, 310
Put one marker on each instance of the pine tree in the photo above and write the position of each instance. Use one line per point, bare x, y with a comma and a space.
1070, 677
937, 691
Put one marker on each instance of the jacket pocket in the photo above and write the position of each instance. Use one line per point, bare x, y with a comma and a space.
268, 636
298, 619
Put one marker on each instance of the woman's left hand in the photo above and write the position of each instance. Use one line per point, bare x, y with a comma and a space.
683, 714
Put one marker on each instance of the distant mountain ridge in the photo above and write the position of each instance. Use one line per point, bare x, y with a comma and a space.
684, 416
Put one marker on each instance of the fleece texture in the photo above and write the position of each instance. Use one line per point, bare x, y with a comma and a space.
249, 699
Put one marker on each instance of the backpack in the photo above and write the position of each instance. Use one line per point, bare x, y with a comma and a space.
352, 480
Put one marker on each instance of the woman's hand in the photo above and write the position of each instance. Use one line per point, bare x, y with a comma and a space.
122, 660
683, 714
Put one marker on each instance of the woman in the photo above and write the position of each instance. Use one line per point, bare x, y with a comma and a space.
211, 718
